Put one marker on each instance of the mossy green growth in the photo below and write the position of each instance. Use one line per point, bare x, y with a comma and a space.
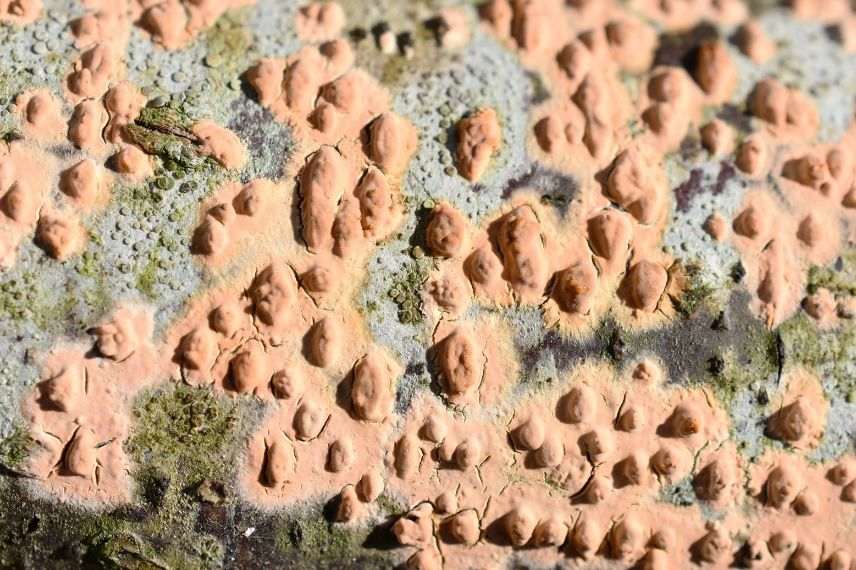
186, 431
147, 277
406, 290
146, 200
168, 119
389, 505
181, 436
89, 263
753, 360
92, 287
696, 293
165, 540
166, 132
124, 550
138, 198
168, 146
37, 533
841, 281
15, 447
55, 314
309, 539
98, 298
829, 353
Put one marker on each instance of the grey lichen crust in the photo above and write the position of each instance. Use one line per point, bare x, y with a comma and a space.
186, 514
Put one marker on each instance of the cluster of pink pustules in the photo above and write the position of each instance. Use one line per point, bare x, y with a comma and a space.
78, 415
573, 471
101, 106
93, 132
589, 114
606, 441
610, 478
169, 23
779, 238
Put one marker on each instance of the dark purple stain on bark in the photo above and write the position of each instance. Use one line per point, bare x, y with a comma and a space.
726, 173
685, 192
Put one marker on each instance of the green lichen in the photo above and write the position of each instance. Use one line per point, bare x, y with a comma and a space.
25, 298
840, 280
94, 289
148, 199
829, 353
170, 147
554, 482
52, 314
15, 447
139, 199
389, 505
182, 436
167, 132
38, 533
160, 533
123, 550
230, 49
187, 431
163, 144
89, 263
167, 119
17, 295
147, 277
406, 290
168, 539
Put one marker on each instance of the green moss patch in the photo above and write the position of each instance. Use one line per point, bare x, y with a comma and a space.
181, 437
840, 279
186, 431
15, 448
827, 352
309, 537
